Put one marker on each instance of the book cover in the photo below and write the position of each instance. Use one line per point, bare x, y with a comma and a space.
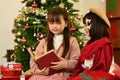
45, 60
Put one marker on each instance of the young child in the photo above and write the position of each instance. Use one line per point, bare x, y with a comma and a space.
97, 54
65, 46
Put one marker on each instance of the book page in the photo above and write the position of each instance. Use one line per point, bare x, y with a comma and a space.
44, 54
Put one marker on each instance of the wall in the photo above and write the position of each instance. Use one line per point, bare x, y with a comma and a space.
84, 5
9, 10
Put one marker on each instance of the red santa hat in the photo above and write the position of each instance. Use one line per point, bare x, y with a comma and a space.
101, 14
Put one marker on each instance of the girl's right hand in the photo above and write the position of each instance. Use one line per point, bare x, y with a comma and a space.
43, 71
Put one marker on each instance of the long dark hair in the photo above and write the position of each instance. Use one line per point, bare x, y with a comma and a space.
99, 28
54, 16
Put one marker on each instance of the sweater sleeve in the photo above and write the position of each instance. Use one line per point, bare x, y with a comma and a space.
73, 54
39, 50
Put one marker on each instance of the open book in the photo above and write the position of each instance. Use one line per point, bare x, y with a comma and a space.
45, 60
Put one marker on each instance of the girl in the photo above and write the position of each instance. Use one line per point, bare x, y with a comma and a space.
65, 46
97, 54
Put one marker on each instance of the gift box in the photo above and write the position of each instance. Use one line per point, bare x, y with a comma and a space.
11, 69
10, 77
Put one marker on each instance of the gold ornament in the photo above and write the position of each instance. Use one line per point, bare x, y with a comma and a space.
15, 44
27, 10
69, 1
18, 33
20, 17
74, 21
61, 5
43, 1
13, 57
81, 38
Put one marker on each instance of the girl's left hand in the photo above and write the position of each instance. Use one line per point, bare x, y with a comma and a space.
62, 64
43, 71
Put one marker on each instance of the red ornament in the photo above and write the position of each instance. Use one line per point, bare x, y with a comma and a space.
23, 40
72, 29
37, 35
34, 5
26, 27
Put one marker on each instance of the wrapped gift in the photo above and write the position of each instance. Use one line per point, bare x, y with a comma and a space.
11, 69
10, 77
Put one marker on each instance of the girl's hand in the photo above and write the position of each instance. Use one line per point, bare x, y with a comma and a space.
116, 70
59, 65
43, 71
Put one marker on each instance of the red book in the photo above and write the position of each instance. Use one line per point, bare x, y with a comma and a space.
45, 60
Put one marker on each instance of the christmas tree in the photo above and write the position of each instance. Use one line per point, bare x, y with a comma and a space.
30, 26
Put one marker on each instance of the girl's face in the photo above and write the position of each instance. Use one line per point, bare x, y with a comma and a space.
86, 28
57, 27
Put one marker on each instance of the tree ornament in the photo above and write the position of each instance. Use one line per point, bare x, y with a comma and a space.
24, 46
41, 35
72, 29
26, 27
13, 57
15, 40
37, 35
13, 31
23, 40
34, 34
27, 18
34, 5
61, 5
23, 49
81, 38
18, 39
43, 1
79, 17
69, 1
16, 44
18, 33
74, 21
